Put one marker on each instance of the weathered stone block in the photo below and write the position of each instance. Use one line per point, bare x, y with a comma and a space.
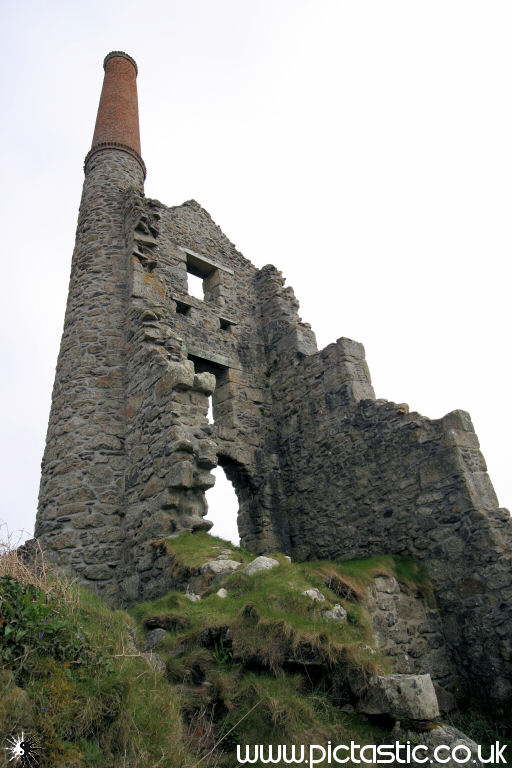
404, 697
204, 480
204, 382
98, 572
314, 594
152, 487
181, 475
261, 563
218, 567
178, 376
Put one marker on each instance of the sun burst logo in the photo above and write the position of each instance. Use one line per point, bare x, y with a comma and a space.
23, 751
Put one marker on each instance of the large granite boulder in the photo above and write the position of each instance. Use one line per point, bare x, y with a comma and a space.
220, 567
261, 563
403, 697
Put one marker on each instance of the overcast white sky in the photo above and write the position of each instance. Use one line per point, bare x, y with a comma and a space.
362, 146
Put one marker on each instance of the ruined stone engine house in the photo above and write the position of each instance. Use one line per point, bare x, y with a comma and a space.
322, 469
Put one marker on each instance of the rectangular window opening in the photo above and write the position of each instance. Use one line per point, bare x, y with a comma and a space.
204, 277
225, 325
195, 286
220, 372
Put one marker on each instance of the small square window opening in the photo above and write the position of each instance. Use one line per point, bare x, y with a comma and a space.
182, 309
225, 325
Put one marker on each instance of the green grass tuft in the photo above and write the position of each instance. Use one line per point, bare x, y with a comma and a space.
194, 549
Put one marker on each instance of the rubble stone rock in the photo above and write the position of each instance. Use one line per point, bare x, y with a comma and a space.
336, 613
314, 594
261, 563
404, 697
204, 382
154, 638
218, 567
409, 630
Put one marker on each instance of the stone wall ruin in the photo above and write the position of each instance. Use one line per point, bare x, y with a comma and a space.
322, 469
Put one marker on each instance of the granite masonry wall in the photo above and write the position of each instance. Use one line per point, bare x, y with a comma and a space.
85, 462
409, 630
362, 477
321, 468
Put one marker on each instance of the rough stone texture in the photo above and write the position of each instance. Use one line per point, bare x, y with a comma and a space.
403, 697
336, 613
410, 631
85, 462
220, 566
314, 594
321, 469
154, 638
261, 563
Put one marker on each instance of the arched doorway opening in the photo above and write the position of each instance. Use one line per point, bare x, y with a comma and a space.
223, 508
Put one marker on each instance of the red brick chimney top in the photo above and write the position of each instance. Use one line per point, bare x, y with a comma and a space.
117, 122
122, 55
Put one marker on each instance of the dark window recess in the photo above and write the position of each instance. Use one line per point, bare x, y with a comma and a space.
225, 325
182, 309
201, 365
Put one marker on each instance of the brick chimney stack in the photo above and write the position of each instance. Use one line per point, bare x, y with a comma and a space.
117, 121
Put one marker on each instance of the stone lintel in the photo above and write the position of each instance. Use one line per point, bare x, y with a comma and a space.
216, 359
197, 260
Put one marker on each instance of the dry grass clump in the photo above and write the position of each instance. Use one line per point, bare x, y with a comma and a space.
27, 565
65, 674
345, 586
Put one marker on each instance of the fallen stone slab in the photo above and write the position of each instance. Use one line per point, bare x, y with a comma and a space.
403, 697
218, 567
261, 563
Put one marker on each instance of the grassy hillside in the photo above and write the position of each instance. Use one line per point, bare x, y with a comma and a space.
68, 678
178, 683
